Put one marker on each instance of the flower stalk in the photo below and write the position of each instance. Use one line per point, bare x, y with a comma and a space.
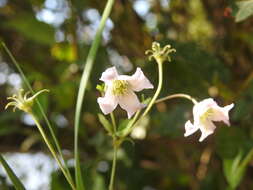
186, 96
114, 163
25, 103
50, 147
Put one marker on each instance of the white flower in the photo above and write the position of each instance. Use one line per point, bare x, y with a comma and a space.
204, 113
119, 89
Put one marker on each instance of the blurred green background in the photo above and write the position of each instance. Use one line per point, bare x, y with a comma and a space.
51, 39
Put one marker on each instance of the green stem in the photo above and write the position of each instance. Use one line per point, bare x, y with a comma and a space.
151, 103
158, 90
113, 123
39, 105
50, 147
186, 96
82, 87
114, 163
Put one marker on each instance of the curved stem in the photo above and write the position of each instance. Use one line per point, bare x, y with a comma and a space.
186, 96
151, 103
49, 145
114, 163
39, 105
82, 88
158, 90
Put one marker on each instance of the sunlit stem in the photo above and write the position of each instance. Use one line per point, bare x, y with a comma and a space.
114, 163
151, 103
159, 87
82, 87
186, 96
50, 147
39, 105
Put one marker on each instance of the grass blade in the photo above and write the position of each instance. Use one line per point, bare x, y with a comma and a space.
16, 182
56, 143
82, 87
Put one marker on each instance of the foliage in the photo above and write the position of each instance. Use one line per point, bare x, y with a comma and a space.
213, 59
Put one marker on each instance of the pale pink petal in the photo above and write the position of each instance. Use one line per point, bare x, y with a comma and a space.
221, 114
109, 75
130, 103
190, 128
138, 80
207, 128
201, 107
107, 103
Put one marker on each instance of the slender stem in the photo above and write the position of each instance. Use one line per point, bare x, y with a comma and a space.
158, 90
82, 87
151, 103
132, 123
177, 96
50, 147
39, 105
113, 123
114, 163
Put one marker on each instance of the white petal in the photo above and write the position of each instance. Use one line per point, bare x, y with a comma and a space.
221, 113
109, 75
107, 103
189, 128
201, 107
130, 103
138, 80
207, 128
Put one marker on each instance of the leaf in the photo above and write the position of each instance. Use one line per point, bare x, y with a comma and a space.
106, 124
32, 29
245, 10
16, 182
233, 170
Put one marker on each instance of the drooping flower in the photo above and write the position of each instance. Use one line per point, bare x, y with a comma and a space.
204, 114
119, 89
22, 102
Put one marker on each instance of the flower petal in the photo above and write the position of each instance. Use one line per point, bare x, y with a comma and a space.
201, 107
107, 103
221, 114
190, 128
109, 74
207, 128
138, 80
130, 103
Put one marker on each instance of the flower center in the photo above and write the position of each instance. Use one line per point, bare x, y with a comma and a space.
120, 87
207, 115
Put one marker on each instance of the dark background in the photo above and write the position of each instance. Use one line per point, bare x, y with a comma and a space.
51, 39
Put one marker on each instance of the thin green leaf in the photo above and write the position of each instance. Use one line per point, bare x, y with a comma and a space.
233, 170
40, 107
16, 182
82, 87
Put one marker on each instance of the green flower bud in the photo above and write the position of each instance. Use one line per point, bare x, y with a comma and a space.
22, 102
160, 54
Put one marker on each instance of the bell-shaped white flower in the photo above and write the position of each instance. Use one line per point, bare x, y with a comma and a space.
204, 113
119, 89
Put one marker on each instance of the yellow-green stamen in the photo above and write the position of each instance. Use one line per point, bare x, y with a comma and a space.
120, 87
